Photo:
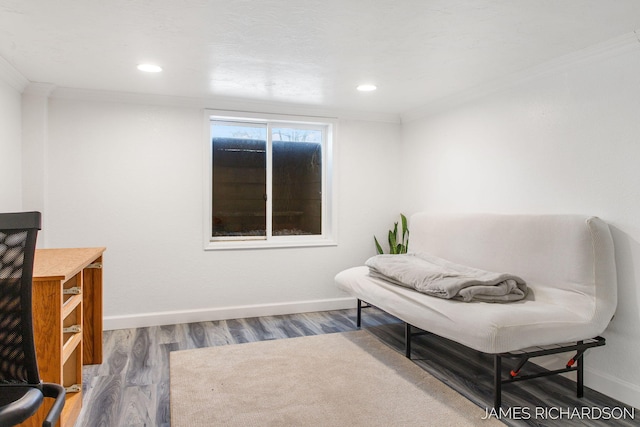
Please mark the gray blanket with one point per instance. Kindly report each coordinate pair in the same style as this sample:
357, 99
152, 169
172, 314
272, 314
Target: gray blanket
443, 279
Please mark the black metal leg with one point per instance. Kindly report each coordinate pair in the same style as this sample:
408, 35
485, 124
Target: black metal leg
407, 341
359, 315
580, 372
497, 382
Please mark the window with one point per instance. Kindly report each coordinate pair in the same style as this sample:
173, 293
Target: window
270, 181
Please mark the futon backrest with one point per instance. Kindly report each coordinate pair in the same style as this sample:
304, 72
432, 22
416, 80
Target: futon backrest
569, 252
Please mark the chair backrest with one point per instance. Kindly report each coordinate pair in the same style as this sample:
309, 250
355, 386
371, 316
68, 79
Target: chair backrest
18, 232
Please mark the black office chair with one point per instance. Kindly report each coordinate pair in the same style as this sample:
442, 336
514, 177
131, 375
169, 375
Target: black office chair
21, 390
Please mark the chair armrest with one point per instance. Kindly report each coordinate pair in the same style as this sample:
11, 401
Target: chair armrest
57, 392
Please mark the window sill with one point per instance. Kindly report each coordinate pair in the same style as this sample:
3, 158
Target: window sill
264, 244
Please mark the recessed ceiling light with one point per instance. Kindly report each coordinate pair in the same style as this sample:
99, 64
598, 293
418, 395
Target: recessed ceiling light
366, 88
149, 68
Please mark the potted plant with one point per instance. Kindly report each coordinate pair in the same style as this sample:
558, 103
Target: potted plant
396, 246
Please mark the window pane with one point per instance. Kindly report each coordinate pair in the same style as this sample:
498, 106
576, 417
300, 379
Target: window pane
239, 179
297, 181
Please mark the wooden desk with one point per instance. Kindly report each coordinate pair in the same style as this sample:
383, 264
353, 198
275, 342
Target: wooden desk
67, 321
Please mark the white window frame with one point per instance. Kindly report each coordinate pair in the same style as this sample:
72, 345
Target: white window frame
329, 207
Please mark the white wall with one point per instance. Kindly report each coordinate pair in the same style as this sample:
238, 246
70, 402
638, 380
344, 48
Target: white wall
565, 142
10, 148
129, 177
35, 134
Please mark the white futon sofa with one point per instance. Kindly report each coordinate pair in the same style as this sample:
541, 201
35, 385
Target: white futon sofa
567, 262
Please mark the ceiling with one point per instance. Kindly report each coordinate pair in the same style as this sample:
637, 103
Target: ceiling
307, 52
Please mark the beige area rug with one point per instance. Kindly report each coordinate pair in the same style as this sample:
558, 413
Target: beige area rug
341, 379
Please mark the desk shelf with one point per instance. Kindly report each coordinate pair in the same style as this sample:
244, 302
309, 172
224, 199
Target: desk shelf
70, 305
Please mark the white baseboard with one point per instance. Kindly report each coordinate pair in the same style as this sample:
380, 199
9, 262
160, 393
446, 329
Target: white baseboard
224, 313
617, 388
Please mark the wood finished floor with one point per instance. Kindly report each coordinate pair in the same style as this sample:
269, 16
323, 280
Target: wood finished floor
131, 387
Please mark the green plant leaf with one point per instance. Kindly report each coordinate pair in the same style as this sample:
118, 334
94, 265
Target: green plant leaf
378, 247
392, 239
405, 229
405, 234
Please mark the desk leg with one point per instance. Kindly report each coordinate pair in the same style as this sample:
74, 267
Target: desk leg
92, 306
